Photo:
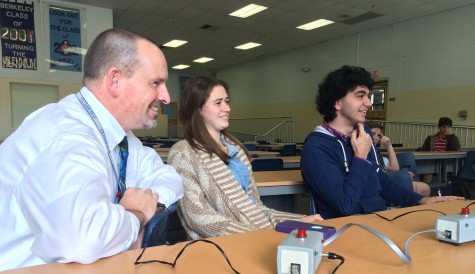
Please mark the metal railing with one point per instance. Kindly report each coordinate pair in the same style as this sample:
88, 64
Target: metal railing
271, 129
412, 134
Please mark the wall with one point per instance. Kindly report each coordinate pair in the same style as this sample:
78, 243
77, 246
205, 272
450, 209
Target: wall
429, 61
93, 21
160, 130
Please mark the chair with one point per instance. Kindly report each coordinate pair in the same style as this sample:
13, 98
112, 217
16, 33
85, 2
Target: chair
267, 164
289, 150
313, 206
407, 162
167, 144
463, 181
251, 147
158, 224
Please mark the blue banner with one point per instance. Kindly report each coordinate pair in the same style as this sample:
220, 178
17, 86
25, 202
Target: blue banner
65, 39
17, 29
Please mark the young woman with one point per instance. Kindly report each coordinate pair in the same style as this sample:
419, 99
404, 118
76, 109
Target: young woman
220, 195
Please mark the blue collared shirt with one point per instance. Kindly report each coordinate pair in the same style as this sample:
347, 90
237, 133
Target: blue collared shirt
237, 168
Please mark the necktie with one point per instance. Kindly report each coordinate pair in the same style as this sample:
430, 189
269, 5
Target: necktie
124, 153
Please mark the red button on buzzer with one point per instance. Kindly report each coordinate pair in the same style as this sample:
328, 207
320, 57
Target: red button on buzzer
301, 233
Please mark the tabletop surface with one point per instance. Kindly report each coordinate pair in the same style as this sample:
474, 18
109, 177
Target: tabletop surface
256, 252
279, 177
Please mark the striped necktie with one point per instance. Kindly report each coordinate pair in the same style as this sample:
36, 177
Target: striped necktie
124, 153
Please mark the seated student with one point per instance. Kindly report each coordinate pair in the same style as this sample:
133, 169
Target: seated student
390, 164
339, 163
444, 140
220, 196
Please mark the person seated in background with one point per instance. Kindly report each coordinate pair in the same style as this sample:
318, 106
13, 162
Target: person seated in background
220, 194
443, 140
339, 163
390, 164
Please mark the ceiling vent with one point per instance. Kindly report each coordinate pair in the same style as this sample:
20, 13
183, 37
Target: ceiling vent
361, 18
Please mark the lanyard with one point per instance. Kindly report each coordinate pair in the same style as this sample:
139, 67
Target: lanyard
93, 116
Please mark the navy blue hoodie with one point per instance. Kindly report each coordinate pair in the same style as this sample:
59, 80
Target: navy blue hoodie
356, 187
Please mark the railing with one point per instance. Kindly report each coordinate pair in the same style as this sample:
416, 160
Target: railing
175, 131
272, 129
412, 135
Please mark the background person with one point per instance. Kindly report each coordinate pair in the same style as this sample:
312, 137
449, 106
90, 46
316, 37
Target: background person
339, 163
221, 195
390, 164
60, 180
443, 140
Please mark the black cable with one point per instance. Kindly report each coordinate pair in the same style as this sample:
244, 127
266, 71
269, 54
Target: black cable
406, 213
470, 204
181, 252
334, 256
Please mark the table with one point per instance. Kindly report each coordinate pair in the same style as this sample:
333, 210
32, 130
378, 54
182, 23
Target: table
256, 252
438, 162
279, 182
278, 188
263, 154
291, 161
276, 146
162, 149
163, 155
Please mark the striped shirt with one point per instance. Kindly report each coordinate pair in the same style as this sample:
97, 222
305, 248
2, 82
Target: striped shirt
440, 142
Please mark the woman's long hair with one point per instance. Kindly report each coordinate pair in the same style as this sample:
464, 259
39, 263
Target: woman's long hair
193, 96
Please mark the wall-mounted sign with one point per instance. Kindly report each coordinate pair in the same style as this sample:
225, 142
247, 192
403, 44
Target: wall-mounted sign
65, 39
18, 35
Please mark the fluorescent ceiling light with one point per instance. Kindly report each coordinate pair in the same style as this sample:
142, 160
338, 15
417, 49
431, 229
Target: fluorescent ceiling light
248, 10
203, 60
315, 24
181, 66
249, 45
175, 43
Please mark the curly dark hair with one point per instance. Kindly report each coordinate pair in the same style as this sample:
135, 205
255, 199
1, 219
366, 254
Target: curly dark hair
336, 85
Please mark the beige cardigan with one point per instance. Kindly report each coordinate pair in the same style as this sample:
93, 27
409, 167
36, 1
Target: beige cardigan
214, 203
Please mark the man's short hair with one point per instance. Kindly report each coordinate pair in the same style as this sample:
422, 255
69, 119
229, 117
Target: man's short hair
445, 121
336, 85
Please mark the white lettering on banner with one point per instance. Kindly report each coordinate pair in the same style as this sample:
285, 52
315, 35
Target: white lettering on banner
11, 6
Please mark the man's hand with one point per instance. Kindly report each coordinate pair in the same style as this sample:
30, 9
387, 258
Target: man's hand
312, 218
385, 141
438, 199
143, 203
361, 142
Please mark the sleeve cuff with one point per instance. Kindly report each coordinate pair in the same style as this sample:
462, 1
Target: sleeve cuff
363, 159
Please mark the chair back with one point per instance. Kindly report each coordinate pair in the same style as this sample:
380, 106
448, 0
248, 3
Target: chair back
313, 206
167, 144
289, 150
251, 147
267, 164
407, 162
159, 225
468, 169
